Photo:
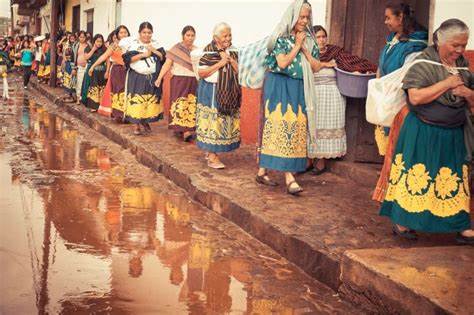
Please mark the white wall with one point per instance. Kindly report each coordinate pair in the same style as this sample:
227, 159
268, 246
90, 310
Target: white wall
104, 15
461, 9
250, 20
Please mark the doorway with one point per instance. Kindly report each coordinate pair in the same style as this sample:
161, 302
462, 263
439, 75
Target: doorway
76, 18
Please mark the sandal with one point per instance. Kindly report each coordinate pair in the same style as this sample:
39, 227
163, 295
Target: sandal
137, 132
293, 190
217, 165
265, 180
407, 234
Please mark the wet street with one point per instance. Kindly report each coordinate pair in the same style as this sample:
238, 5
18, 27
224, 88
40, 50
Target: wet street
87, 229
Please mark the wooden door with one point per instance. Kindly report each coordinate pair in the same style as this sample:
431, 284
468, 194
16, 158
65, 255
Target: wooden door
359, 27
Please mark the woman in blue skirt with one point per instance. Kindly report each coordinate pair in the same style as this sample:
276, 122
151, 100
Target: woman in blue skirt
428, 187
218, 98
288, 94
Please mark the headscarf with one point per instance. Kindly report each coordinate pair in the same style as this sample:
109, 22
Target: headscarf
228, 91
284, 29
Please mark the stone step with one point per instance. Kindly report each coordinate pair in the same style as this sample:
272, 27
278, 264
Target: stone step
434, 280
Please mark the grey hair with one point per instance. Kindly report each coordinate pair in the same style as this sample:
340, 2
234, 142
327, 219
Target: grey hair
448, 29
306, 5
220, 27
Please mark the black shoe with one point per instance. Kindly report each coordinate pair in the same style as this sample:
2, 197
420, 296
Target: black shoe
464, 240
407, 234
318, 171
265, 180
147, 128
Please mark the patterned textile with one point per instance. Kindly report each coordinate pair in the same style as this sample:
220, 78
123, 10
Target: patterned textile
99, 80
215, 132
183, 103
283, 46
252, 66
330, 120
117, 91
284, 136
228, 91
346, 61
141, 103
181, 55
69, 81
429, 179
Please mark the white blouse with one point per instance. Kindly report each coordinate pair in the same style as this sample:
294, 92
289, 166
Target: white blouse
142, 66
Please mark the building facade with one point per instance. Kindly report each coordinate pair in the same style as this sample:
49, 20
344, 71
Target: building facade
94, 16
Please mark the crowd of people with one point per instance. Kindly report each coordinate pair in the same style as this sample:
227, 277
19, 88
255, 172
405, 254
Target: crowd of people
424, 184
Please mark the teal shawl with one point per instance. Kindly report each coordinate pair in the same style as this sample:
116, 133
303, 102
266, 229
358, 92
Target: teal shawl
393, 57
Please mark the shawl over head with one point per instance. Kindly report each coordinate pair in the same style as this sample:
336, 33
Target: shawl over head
284, 29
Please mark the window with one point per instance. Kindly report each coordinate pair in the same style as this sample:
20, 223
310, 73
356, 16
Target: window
90, 21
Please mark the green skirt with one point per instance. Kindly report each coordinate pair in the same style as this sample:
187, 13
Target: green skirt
429, 179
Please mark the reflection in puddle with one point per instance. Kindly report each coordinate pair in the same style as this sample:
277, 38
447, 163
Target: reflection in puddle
92, 241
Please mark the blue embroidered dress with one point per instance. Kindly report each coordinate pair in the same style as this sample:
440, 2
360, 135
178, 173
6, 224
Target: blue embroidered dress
283, 143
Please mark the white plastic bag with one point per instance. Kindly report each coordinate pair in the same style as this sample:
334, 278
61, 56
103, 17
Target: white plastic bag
385, 97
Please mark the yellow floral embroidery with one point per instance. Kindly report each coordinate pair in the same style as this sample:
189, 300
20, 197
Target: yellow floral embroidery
397, 168
183, 112
67, 80
446, 183
118, 101
416, 191
284, 134
95, 93
465, 179
215, 128
381, 139
143, 106
417, 179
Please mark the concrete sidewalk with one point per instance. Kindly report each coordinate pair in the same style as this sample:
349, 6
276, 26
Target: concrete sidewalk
333, 215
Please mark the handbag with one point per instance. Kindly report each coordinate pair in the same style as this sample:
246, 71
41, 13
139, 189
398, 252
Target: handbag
385, 96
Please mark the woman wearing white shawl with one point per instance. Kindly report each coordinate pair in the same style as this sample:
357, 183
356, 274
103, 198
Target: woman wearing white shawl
288, 95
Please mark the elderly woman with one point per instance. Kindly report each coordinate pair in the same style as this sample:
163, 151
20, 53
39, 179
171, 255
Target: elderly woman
428, 186
218, 98
288, 92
